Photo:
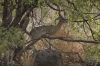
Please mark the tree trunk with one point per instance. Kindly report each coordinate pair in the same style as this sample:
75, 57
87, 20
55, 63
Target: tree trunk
7, 14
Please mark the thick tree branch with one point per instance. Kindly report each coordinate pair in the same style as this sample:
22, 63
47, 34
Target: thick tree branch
70, 40
56, 37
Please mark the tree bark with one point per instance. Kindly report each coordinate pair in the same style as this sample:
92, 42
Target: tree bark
19, 14
7, 14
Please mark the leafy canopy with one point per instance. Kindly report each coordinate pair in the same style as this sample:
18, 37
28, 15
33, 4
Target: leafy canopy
10, 38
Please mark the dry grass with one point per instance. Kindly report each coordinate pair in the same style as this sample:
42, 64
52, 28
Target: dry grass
27, 59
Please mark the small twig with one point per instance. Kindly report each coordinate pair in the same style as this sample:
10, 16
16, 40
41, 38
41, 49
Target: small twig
96, 16
90, 30
84, 29
79, 21
91, 13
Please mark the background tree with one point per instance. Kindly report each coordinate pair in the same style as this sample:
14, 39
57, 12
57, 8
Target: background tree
83, 18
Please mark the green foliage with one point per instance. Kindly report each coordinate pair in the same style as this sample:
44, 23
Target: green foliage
41, 2
0, 20
92, 53
28, 1
11, 37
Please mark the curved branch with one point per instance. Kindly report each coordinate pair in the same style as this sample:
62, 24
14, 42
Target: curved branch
53, 7
72, 4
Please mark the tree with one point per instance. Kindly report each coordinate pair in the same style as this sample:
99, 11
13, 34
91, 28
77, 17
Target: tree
83, 17
84, 13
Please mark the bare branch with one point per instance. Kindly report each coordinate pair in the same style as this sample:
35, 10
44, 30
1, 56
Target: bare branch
79, 21
53, 7
96, 16
72, 4
91, 13
97, 8
28, 46
85, 30
70, 40
90, 30
57, 37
